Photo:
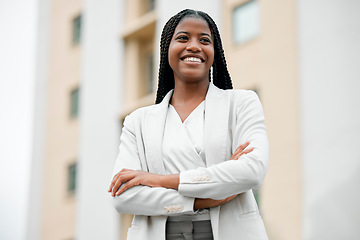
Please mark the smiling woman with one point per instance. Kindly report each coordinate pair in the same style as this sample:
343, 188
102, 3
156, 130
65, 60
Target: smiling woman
191, 51
187, 165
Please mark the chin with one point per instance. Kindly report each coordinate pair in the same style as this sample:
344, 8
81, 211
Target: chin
195, 76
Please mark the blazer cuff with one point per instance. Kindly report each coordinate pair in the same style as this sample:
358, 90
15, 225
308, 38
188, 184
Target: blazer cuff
190, 178
187, 207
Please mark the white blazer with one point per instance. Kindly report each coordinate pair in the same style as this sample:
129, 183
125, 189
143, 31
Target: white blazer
232, 117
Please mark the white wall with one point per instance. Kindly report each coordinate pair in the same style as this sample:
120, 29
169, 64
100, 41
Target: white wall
167, 9
34, 211
100, 95
18, 27
329, 61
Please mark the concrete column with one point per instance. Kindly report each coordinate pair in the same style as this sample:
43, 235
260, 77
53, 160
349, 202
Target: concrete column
100, 99
329, 56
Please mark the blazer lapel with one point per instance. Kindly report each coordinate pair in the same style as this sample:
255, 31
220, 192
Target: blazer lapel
153, 135
217, 105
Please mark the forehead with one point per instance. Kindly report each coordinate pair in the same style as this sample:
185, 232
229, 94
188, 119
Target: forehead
193, 24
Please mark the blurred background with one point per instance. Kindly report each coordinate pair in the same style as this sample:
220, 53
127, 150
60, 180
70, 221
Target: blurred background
71, 70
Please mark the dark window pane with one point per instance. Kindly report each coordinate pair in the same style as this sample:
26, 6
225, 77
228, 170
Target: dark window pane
72, 178
74, 101
77, 30
151, 4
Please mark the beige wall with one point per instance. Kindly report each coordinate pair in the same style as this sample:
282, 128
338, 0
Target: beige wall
268, 64
58, 219
138, 36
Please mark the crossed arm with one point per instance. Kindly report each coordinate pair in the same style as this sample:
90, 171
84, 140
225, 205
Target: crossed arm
127, 178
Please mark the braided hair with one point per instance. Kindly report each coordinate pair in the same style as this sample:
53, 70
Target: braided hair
221, 77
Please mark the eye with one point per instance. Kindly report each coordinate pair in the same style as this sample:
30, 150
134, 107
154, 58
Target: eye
205, 40
182, 37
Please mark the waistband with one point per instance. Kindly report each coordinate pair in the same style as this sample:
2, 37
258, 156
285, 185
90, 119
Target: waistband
188, 227
197, 217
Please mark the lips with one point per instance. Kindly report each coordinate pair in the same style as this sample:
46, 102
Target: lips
192, 59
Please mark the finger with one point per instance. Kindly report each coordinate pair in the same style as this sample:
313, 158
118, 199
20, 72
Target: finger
246, 151
113, 182
123, 178
249, 150
115, 176
237, 151
237, 154
126, 186
242, 146
117, 185
126, 170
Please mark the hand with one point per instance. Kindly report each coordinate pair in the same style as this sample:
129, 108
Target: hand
241, 151
128, 178
209, 203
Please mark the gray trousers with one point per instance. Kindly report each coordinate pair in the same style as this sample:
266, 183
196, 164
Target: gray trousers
189, 230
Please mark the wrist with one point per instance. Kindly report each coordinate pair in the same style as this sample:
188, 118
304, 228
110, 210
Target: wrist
170, 181
162, 180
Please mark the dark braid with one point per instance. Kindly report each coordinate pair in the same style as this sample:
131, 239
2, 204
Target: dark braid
221, 76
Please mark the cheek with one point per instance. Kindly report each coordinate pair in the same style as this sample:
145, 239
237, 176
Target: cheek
171, 55
171, 59
211, 57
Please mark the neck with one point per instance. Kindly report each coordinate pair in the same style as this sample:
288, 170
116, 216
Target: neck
185, 92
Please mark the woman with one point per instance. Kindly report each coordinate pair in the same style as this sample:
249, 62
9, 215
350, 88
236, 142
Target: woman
188, 164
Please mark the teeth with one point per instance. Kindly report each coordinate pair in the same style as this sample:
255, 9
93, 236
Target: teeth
192, 59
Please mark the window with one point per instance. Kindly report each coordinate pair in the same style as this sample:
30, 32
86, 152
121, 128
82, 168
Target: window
151, 5
76, 30
74, 103
72, 178
246, 22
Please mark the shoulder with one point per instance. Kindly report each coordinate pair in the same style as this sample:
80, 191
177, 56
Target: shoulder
236, 94
242, 96
245, 102
139, 114
241, 93
237, 97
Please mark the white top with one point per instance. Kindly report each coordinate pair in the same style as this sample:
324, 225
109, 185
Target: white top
183, 142
183, 148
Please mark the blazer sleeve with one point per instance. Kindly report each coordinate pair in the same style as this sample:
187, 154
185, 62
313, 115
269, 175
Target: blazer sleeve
234, 176
144, 200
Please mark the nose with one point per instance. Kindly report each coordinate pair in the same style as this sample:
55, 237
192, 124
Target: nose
193, 46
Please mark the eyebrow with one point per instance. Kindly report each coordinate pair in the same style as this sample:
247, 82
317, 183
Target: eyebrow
201, 34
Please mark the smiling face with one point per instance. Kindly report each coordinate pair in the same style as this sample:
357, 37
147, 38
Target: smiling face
191, 51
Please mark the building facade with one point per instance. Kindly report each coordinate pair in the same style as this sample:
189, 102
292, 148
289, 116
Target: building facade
62, 122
